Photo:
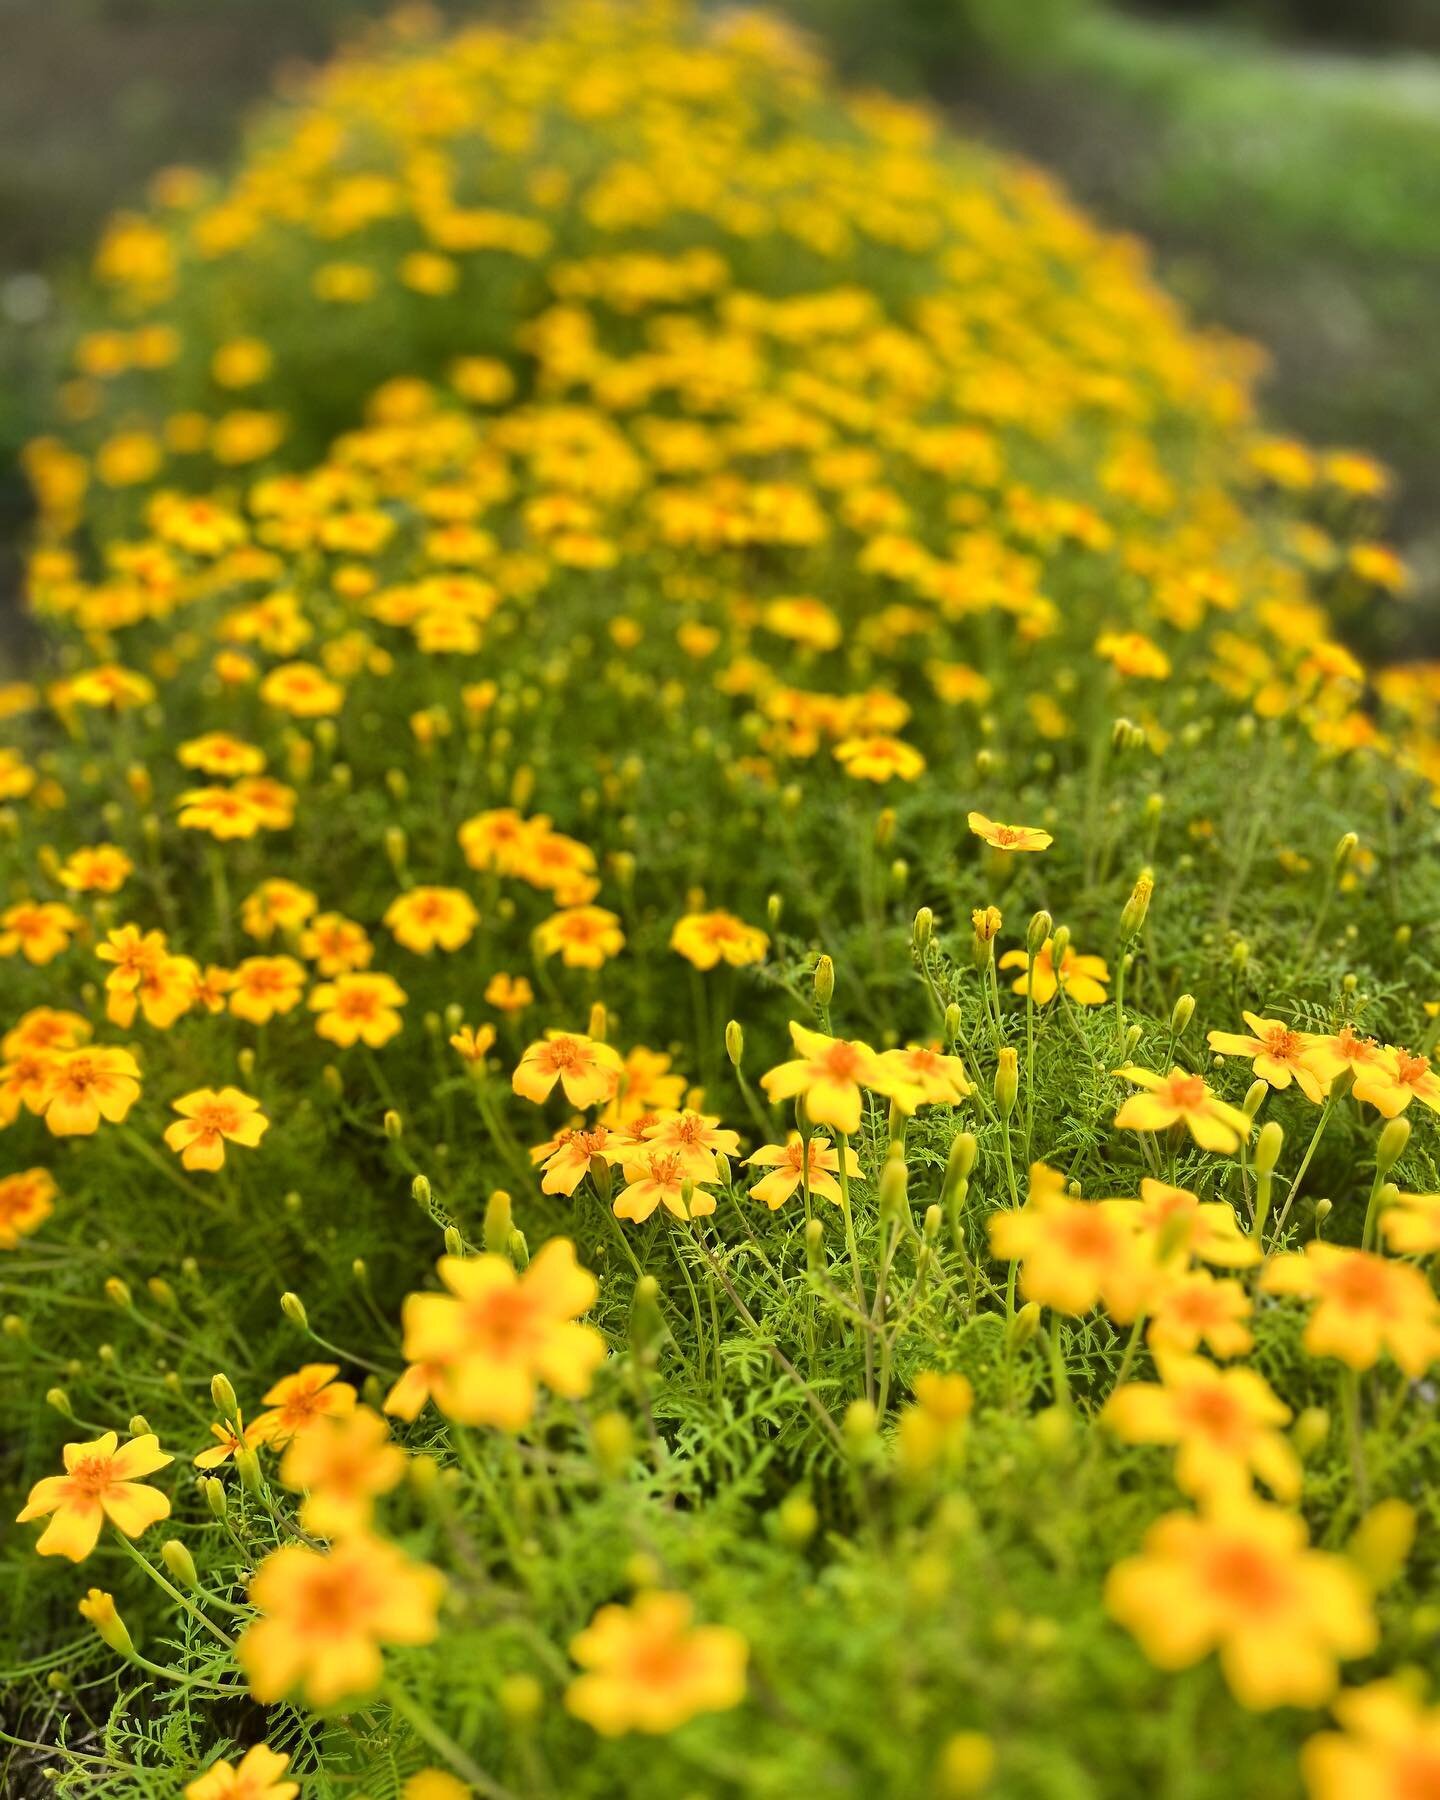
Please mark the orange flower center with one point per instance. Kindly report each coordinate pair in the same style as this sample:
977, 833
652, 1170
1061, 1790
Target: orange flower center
1242, 1576
1186, 1093
92, 1475
1283, 1045
840, 1062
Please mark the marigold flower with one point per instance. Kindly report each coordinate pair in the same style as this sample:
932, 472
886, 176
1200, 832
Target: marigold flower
1241, 1579
430, 918
324, 1615
298, 1401
358, 1009
473, 1044
45, 1028
1409, 1225
38, 930
1389, 1748
341, 1466
1394, 1079
27, 1200
649, 1668
218, 753
706, 939
276, 905
1278, 1055
257, 1776
1082, 978
793, 1167
1365, 1305
696, 1138
565, 1160
223, 812
1225, 1424
98, 869
584, 937
302, 690
265, 987
509, 993
933, 1429
658, 1178
1193, 1309
336, 945
82, 1087
209, 1119
880, 758
101, 1481
587, 1070
228, 1439
1181, 1097
1008, 837
497, 1336
924, 1076
1180, 1226
1073, 1254
830, 1073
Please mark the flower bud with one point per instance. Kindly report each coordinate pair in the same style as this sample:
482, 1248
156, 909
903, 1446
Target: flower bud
1310, 1430
1023, 1326
1039, 930
420, 1191
522, 1699
247, 1467
1007, 1081
815, 1247
1344, 852
774, 907
1267, 1147
953, 1020
180, 1563
98, 1608
293, 1308
824, 981
796, 1519
894, 1186
223, 1395
139, 1426
117, 1293
861, 1426
1181, 1014
1059, 947
967, 1762
614, 1441
453, 1242
922, 930
1132, 918
519, 1250
1133, 1035
57, 1398
215, 1497
498, 1222
646, 1321
1382, 1542
394, 1125
1254, 1098
734, 1041
161, 1292
1391, 1147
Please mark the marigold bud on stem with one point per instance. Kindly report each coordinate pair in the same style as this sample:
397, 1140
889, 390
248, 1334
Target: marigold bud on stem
293, 1308
1391, 1147
824, 981
499, 1221
922, 929
139, 1425
1181, 1014
1132, 918
1039, 930
735, 1041
98, 1608
1007, 1081
180, 1563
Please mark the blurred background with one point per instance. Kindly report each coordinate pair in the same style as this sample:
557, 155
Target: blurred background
1282, 156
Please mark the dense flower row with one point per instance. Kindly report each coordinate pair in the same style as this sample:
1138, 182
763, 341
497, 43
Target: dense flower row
589, 587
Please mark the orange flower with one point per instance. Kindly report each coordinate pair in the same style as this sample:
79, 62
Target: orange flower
1178, 1097
1009, 837
1278, 1055
228, 1439
1073, 1254
324, 1615
1226, 1425
340, 1467
302, 690
879, 759
696, 1138
497, 1336
584, 937
658, 1179
650, 1668
39, 930
299, 1400
26, 1202
509, 993
257, 1776
218, 753
336, 945
81, 1087
1389, 1749
1365, 1305
266, 986
1409, 1224
98, 869
789, 1161
208, 1119
1396, 1078
587, 1070
923, 1076
276, 905
830, 1073
1241, 1579
566, 1159
1195, 1308
358, 1009
1081, 977
429, 918
223, 812
472, 1044
705, 939
100, 1482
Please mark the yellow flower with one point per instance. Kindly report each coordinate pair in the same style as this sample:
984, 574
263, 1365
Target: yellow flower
340, 1466
1226, 1425
830, 1073
429, 918
101, 1481
1365, 1305
1009, 837
658, 1178
209, 1119
336, 945
1278, 1055
473, 1045
497, 1336
223, 812
99, 869
793, 1169
26, 1202
39, 930
266, 986
649, 1668
1411, 1224
1073, 1254
358, 1009
1389, 1748
509, 993
1395, 1078
325, 1614
879, 758
257, 1776
587, 1071
705, 939
1181, 1097
1081, 977
1242, 1580
584, 937
299, 1401
82, 1087
302, 690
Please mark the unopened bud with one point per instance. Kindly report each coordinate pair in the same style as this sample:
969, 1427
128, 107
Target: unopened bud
420, 1191
247, 1467
394, 1125
1344, 851
59, 1400
1391, 1147
223, 1395
499, 1222
1181, 1014
824, 981
1007, 1081
139, 1426
179, 1562
735, 1041
293, 1308
1024, 1325
1382, 1541
1254, 1098
522, 1699
861, 1425
796, 1519
923, 929
894, 1186
1132, 918
1267, 1147
614, 1441
815, 1247
118, 1293
1039, 930
98, 1608
1310, 1431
